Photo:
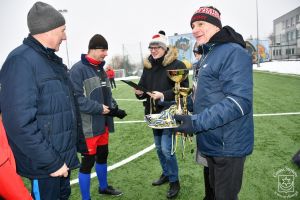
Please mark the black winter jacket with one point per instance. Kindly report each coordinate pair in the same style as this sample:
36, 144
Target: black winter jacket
154, 78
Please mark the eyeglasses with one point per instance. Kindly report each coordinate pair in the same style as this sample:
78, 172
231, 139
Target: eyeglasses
154, 48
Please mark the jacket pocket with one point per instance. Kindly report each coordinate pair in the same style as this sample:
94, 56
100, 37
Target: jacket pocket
47, 130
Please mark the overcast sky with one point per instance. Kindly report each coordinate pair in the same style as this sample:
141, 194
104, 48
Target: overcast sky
129, 22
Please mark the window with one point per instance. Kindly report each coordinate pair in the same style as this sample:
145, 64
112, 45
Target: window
297, 19
274, 52
279, 52
277, 39
292, 51
292, 21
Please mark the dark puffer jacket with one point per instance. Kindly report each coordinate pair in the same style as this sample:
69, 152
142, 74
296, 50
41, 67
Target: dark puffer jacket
223, 114
93, 90
155, 78
38, 110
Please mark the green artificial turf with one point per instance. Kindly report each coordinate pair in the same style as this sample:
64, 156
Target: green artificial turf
277, 138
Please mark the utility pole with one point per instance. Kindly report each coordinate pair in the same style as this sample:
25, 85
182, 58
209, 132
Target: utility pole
141, 52
64, 11
257, 55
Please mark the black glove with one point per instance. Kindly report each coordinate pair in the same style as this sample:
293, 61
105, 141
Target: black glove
116, 112
186, 124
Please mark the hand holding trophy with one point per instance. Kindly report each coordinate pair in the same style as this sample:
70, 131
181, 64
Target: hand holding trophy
166, 119
178, 76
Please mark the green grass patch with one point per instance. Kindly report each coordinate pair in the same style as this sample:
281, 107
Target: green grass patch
277, 138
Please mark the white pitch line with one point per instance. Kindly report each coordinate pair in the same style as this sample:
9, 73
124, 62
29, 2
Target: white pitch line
276, 114
146, 150
122, 162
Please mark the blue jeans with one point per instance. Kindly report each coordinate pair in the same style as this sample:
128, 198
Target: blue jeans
168, 162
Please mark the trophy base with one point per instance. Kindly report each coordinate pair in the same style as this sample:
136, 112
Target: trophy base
162, 127
158, 121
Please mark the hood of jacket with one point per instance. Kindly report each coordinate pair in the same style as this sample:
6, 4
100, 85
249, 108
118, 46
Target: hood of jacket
226, 35
168, 58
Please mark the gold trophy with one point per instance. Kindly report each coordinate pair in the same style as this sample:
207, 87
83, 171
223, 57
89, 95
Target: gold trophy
165, 119
179, 75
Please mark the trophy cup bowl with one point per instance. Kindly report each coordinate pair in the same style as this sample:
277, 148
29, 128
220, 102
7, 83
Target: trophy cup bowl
178, 75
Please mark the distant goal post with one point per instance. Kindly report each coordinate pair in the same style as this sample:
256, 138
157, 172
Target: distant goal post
120, 73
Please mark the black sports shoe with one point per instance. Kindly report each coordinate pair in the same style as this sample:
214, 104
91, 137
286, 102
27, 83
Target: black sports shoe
162, 179
110, 191
174, 190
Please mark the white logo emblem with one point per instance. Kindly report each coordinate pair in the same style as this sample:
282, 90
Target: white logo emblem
204, 65
286, 183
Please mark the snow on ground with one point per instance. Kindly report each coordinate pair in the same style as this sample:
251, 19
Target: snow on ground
285, 67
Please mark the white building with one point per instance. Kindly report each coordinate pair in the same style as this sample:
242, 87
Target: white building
286, 36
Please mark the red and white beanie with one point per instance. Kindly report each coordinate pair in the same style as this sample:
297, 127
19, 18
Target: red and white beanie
208, 14
160, 39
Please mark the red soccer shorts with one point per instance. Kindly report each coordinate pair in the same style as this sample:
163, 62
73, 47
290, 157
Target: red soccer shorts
99, 140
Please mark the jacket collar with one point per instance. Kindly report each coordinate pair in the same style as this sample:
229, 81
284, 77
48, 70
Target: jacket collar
86, 62
38, 47
207, 47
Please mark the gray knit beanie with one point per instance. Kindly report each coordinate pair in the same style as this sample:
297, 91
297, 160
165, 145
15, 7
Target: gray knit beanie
42, 18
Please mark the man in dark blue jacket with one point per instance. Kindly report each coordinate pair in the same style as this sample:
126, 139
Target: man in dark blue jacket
222, 102
39, 107
97, 109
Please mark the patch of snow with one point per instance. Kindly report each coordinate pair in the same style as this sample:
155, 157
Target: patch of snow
285, 67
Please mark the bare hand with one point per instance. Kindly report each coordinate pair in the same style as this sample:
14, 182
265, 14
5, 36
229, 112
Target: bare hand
105, 109
63, 171
156, 95
138, 92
